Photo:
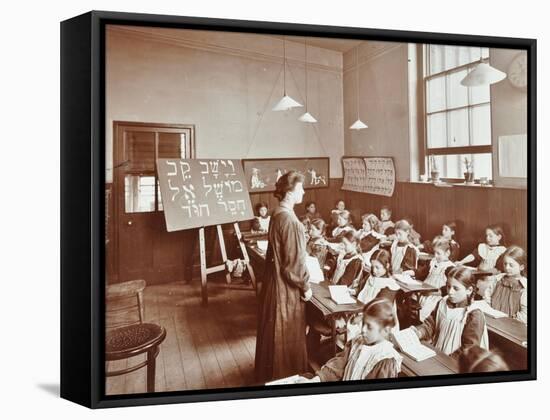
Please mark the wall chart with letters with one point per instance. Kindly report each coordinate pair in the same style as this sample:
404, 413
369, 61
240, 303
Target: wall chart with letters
372, 175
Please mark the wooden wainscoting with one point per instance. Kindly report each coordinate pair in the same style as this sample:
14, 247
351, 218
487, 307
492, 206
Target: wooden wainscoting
473, 207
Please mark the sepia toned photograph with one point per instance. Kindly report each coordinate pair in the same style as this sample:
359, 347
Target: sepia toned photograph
287, 211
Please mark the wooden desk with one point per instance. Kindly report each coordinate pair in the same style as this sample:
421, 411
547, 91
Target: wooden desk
331, 310
416, 288
509, 337
441, 364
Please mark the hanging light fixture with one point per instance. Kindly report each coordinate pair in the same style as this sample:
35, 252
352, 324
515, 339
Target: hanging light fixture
483, 74
286, 101
358, 124
306, 117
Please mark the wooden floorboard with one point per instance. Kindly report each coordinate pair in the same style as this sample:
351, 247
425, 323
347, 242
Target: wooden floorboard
205, 347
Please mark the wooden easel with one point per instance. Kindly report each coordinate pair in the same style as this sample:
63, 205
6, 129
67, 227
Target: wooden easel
205, 271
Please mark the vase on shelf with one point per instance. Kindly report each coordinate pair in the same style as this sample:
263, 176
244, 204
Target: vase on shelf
469, 177
434, 176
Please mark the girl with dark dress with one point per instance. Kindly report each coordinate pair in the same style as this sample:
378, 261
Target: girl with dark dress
281, 335
368, 356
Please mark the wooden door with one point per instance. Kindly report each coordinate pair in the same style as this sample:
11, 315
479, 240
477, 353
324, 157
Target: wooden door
143, 248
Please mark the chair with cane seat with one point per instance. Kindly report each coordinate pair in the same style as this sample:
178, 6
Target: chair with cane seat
126, 334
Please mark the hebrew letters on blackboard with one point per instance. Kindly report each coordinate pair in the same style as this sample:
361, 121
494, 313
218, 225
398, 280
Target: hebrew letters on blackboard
203, 192
373, 175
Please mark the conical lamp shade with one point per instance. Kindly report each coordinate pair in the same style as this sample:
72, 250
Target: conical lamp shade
483, 74
307, 118
286, 103
358, 125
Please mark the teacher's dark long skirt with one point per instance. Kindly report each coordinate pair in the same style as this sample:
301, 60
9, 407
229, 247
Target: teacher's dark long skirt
281, 336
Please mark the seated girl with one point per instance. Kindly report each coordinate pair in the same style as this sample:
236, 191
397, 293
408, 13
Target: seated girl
386, 225
317, 246
439, 266
414, 236
486, 254
368, 235
475, 359
311, 211
507, 292
404, 254
343, 224
377, 285
370, 355
448, 232
340, 207
260, 224
349, 264
455, 325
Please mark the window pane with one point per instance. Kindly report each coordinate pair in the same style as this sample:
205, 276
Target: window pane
458, 128
457, 95
481, 125
437, 130
451, 57
479, 94
139, 193
436, 94
436, 58
453, 166
464, 55
483, 165
140, 150
172, 145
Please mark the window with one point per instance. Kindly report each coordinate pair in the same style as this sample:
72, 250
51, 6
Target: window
458, 118
142, 149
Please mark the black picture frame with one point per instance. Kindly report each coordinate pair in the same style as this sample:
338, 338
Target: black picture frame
83, 207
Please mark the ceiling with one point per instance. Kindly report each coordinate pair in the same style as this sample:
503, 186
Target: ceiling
335, 44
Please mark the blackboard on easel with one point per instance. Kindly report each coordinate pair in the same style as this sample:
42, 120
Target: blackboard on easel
205, 192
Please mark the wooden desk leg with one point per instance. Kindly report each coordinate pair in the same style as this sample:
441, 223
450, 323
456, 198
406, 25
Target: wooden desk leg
245, 256
151, 369
202, 248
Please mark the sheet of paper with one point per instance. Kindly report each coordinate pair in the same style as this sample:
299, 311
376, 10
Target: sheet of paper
340, 295
315, 273
285, 381
262, 245
484, 307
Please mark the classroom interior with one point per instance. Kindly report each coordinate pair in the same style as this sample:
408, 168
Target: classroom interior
177, 93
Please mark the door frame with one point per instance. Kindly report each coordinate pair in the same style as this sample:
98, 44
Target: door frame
118, 162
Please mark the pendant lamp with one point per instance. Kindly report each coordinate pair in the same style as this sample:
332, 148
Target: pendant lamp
358, 124
286, 101
306, 117
483, 74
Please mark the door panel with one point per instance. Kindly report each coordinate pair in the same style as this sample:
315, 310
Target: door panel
143, 248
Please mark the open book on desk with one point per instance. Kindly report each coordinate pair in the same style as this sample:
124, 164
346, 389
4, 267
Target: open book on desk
340, 295
409, 343
406, 279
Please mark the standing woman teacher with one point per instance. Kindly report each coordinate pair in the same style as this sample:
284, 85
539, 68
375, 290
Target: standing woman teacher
281, 337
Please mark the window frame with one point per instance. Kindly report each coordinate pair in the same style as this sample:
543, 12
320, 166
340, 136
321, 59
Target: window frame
459, 150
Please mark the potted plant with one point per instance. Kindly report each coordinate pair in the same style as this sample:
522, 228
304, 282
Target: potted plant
469, 174
434, 171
